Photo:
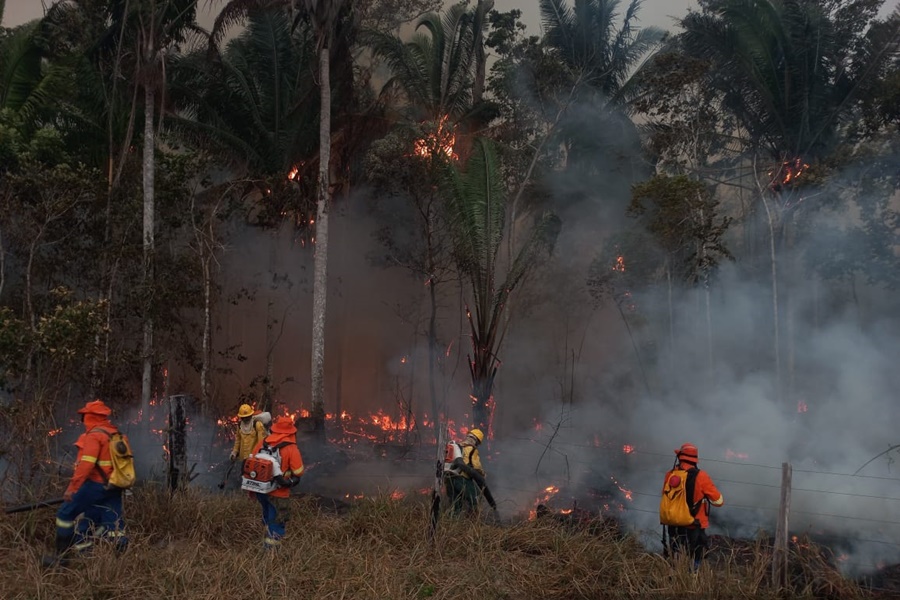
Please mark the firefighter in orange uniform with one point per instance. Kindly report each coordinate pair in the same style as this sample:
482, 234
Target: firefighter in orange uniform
100, 508
276, 504
693, 538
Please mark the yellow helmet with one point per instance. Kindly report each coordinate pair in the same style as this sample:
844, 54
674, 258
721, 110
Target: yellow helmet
245, 411
478, 435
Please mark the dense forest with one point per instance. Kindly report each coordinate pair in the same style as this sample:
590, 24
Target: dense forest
427, 217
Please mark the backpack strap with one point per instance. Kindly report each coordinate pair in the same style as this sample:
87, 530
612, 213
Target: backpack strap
470, 455
97, 464
689, 491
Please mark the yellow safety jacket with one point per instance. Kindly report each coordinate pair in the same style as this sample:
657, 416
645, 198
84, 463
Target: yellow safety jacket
244, 443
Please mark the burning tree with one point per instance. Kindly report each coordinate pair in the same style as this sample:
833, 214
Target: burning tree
477, 211
404, 169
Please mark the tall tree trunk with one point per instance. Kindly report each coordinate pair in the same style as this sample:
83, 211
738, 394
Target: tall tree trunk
320, 281
671, 310
776, 324
2, 265
481, 11
339, 379
206, 358
270, 354
149, 217
432, 358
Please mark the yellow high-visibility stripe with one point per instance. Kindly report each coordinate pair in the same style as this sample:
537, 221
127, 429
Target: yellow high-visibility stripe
104, 463
114, 533
271, 542
718, 502
83, 546
65, 524
90, 459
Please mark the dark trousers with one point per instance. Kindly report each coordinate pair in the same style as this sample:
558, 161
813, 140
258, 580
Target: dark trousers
462, 493
692, 540
100, 512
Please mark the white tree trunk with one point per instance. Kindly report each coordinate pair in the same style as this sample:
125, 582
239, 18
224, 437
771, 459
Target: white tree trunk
775, 319
320, 278
149, 216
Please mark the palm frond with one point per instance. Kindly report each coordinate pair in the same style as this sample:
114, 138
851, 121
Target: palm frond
20, 66
477, 210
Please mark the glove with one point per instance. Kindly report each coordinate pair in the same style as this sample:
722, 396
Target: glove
281, 481
232, 456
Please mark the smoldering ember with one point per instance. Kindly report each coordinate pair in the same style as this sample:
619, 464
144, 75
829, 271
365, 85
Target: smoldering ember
587, 231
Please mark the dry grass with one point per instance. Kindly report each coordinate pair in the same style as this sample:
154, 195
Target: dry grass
206, 546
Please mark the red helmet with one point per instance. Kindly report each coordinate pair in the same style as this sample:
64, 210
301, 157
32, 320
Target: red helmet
688, 452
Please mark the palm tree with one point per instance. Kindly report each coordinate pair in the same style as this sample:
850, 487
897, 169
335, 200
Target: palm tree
603, 55
789, 72
439, 74
28, 84
477, 208
786, 68
603, 58
435, 70
254, 105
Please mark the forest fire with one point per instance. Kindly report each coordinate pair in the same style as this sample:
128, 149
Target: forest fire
294, 173
620, 264
440, 142
789, 171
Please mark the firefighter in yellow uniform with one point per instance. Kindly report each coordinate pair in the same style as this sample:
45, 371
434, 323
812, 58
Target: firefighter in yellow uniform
250, 432
462, 489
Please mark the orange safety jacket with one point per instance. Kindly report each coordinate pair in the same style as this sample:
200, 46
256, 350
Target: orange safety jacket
704, 488
93, 452
291, 460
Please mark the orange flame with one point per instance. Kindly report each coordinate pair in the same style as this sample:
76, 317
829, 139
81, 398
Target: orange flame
440, 142
787, 172
620, 264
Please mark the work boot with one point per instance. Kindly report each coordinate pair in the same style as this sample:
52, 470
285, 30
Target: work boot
48, 561
63, 544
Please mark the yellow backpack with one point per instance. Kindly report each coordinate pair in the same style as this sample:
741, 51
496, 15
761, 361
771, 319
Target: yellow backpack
122, 475
674, 507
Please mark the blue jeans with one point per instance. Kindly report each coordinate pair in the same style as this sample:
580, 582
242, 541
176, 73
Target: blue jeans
100, 510
275, 514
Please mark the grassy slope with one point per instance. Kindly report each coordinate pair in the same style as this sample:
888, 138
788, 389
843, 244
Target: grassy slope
203, 545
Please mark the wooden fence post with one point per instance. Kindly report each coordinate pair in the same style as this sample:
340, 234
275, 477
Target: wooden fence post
780, 551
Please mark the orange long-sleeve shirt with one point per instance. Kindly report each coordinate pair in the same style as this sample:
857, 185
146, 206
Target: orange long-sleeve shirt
705, 488
93, 451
